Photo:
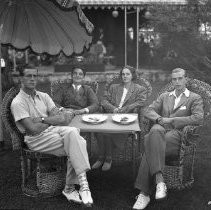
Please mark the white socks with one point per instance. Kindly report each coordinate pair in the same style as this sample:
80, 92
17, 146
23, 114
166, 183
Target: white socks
84, 185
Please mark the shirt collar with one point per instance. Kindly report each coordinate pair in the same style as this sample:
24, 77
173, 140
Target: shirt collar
74, 86
27, 95
186, 93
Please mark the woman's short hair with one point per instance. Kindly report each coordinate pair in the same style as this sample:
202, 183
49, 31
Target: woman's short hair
132, 70
78, 67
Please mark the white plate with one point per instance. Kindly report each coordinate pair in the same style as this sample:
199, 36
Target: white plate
94, 118
124, 118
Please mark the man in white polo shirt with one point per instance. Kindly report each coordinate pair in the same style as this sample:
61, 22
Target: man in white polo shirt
46, 130
171, 112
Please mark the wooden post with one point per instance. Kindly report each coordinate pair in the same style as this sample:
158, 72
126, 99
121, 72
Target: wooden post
125, 35
137, 38
1, 128
26, 56
14, 60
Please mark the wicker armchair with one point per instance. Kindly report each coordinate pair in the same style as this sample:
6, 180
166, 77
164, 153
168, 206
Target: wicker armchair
178, 174
132, 148
38, 179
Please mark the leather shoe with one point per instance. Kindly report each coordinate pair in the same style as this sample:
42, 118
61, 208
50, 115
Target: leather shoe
106, 165
72, 196
97, 164
161, 191
141, 202
86, 197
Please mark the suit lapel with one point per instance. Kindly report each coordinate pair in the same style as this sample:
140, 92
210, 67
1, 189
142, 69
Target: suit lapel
129, 93
171, 103
181, 102
119, 94
81, 90
71, 90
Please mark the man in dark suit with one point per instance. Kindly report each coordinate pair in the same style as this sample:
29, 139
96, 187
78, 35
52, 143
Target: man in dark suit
170, 113
76, 96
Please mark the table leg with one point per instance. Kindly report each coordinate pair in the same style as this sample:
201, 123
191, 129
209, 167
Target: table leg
90, 145
134, 137
88, 137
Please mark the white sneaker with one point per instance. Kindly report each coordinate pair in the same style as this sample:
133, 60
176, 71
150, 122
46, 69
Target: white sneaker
161, 191
86, 197
72, 196
141, 202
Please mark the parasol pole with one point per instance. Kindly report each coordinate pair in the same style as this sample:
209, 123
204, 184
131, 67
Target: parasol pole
1, 128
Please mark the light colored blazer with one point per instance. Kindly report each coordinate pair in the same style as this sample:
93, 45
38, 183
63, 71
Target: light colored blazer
189, 111
135, 98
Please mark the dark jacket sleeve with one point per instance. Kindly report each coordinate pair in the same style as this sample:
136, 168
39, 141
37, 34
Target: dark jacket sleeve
107, 103
140, 96
93, 103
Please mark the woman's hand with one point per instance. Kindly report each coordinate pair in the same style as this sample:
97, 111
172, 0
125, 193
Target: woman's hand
123, 110
118, 110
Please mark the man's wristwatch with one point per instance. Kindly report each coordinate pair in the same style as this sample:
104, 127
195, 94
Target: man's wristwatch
42, 119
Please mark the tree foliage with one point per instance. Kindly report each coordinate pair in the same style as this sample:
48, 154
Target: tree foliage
181, 39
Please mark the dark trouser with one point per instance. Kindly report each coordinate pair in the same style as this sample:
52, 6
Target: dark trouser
158, 144
107, 141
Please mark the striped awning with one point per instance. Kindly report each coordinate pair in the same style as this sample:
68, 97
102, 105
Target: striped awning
132, 3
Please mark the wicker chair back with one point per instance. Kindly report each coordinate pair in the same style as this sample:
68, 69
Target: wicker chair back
8, 120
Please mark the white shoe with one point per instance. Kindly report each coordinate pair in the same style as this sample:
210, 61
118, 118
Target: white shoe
86, 197
72, 196
161, 191
141, 202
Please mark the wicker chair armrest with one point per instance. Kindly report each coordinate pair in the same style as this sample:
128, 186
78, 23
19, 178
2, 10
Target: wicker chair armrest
144, 123
190, 134
190, 131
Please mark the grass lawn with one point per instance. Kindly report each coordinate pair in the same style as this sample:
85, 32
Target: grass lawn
113, 189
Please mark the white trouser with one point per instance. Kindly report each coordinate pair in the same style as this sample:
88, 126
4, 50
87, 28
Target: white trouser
59, 141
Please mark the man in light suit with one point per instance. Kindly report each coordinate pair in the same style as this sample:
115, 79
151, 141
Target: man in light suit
170, 113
